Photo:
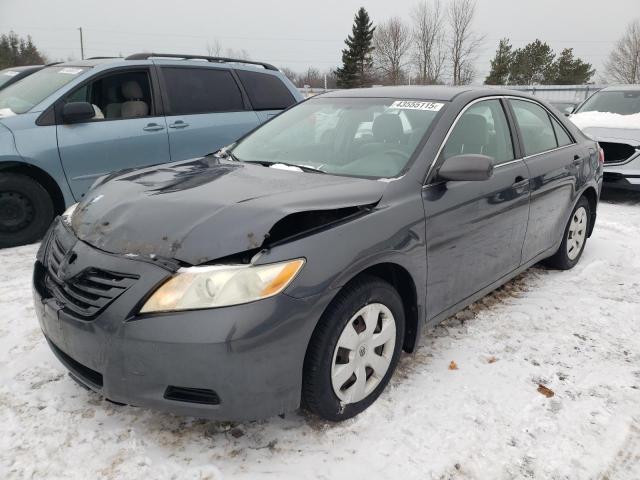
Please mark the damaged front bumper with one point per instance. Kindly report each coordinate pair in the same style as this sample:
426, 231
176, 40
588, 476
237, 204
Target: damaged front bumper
233, 363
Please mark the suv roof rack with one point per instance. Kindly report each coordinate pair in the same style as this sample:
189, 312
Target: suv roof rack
100, 58
146, 56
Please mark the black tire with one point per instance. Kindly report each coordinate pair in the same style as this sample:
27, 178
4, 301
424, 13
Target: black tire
26, 210
561, 259
318, 395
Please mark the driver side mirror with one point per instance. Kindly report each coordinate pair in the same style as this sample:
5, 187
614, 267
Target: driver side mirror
467, 167
74, 112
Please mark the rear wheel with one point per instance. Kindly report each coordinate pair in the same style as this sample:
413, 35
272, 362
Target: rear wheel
26, 210
575, 237
354, 350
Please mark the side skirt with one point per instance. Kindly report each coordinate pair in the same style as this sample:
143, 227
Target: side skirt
488, 289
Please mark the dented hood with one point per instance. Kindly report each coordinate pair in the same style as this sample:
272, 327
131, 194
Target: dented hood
204, 209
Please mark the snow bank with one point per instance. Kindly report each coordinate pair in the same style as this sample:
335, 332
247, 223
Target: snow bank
606, 120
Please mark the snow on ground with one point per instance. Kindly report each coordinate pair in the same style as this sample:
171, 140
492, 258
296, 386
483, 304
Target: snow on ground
576, 332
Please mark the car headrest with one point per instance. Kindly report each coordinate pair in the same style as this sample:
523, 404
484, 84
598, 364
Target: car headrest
131, 90
387, 128
473, 129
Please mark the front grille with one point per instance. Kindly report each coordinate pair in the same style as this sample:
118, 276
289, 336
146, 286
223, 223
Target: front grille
615, 152
87, 293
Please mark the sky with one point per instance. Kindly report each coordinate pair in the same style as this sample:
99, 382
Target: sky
297, 34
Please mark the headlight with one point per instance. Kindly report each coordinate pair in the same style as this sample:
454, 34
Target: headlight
68, 214
221, 286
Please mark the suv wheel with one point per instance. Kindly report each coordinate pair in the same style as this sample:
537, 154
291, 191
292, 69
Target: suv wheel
575, 237
26, 210
354, 350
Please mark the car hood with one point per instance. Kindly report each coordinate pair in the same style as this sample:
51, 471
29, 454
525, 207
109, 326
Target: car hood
606, 134
204, 209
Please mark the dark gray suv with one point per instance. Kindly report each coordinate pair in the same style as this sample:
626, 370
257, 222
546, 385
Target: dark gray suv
295, 265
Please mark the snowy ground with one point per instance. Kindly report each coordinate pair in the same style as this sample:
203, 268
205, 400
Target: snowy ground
576, 332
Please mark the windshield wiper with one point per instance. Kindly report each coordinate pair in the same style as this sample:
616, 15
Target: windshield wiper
304, 168
224, 153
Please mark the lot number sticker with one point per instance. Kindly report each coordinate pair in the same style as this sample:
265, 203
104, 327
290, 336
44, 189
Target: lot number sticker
413, 105
70, 71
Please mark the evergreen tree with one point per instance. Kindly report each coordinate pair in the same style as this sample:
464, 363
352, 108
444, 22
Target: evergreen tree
356, 59
568, 70
16, 51
501, 64
532, 64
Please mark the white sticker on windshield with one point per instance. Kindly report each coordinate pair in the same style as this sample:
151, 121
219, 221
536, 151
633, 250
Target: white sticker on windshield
11, 73
415, 105
70, 71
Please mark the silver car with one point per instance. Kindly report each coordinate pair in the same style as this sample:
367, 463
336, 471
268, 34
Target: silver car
612, 118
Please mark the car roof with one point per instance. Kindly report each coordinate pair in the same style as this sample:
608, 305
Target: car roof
166, 60
422, 92
622, 88
22, 68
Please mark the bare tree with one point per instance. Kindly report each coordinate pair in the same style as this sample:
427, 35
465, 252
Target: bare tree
464, 42
391, 41
214, 49
291, 75
623, 65
428, 39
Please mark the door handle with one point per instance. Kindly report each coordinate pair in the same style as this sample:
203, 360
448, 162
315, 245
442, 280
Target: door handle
178, 124
153, 127
520, 181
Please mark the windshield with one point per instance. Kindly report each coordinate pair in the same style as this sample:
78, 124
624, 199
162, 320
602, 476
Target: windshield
626, 102
364, 137
22, 96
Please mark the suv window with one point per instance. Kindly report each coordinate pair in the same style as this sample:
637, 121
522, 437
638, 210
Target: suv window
266, 92
117, 96
482, 128
535, 126
561, 134
201, 90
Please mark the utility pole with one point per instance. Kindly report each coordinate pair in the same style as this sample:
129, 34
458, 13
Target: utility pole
81, 44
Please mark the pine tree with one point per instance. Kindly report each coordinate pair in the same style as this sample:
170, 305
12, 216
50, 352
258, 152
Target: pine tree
532, 64
500, 64
16, 51
356, 59
568, 70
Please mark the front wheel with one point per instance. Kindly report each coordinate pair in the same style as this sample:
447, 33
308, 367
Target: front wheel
26, 210
575, 237
354, 350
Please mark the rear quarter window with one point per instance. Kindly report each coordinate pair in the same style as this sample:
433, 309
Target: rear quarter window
265, 91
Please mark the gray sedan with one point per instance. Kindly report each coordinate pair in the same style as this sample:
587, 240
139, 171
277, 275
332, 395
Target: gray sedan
293, 267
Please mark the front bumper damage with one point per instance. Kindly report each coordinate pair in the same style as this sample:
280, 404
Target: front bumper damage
233, 363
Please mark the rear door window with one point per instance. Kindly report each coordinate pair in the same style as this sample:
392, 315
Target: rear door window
535, 126
201, 90
265, 91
